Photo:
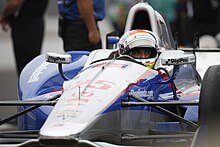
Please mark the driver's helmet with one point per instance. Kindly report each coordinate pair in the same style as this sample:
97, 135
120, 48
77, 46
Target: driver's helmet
141, 45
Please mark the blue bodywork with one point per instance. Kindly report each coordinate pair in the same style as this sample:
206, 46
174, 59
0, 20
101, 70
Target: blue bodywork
38, 79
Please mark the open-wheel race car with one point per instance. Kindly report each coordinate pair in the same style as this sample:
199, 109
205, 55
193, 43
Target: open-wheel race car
101, 99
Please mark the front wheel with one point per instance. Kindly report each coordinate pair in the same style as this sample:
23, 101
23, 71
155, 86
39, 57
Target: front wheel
209, 105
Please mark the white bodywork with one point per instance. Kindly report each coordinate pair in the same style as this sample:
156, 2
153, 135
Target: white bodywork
98, 55
153, 22
146, 7
80, 106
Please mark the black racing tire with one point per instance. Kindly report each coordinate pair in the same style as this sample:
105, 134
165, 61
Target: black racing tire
209, 105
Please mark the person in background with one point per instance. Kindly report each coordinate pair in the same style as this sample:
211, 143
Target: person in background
78, 23
198, 17
26, 20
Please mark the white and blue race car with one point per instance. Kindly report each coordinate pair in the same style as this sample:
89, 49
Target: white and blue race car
95, 100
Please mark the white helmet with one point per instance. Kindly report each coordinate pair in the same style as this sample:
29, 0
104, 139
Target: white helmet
135, 40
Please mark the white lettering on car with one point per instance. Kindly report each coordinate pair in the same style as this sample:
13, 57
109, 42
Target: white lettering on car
36, 74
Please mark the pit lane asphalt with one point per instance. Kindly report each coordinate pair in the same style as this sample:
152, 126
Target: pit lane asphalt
8, 76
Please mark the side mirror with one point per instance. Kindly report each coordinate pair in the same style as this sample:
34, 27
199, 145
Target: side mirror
60, 59
177, 57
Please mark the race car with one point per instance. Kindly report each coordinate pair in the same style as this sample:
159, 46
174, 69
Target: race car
95, 99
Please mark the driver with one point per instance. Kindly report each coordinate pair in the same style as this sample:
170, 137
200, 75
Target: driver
141, 45
140, 53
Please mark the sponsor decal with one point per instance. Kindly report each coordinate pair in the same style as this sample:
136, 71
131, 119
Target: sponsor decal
142, 93
124, 66
100, 84
76, 102
55, 59
177, 61
67, 113
36, 74
78, 97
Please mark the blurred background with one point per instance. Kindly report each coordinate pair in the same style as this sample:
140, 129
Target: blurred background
51, 43
8, 75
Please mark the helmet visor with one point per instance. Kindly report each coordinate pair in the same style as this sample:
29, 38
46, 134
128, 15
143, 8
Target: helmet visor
143, 52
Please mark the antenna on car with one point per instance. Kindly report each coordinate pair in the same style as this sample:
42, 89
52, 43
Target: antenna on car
195, 44
196, 41
176, 40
